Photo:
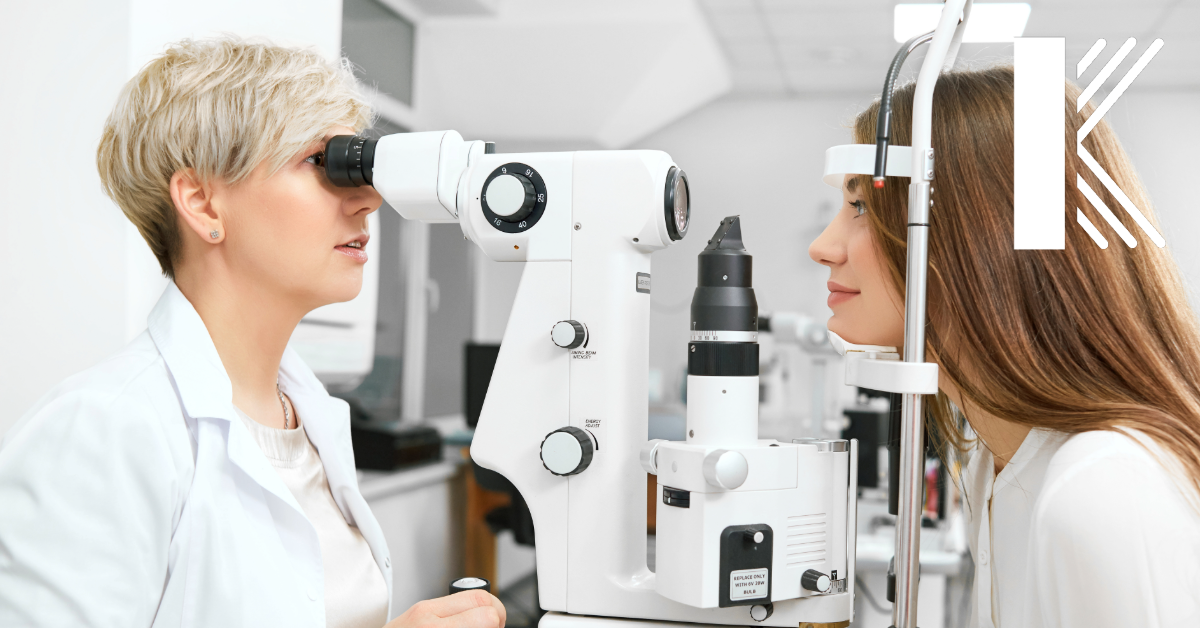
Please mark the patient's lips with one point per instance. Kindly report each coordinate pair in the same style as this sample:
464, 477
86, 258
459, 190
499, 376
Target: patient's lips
355, 249
839, 294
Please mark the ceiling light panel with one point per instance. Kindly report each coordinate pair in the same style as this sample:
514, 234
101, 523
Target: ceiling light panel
995, 22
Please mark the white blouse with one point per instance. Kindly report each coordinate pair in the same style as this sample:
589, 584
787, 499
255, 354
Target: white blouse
1082, 531
355, 593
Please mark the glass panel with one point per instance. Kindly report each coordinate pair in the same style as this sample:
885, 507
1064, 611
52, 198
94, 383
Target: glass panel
380, 44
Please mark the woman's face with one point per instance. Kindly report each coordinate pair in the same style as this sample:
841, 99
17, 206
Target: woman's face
866, 307
294, 233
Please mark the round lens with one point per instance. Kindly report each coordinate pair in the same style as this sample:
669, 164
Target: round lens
677, 205
681, 205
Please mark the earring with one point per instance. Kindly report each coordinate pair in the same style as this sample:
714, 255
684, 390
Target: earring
215, 234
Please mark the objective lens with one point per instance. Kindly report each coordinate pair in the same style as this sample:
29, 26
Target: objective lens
677, 205
349, 160
681, 205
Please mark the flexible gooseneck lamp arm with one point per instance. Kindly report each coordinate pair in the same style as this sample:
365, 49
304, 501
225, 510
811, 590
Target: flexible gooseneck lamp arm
883, 123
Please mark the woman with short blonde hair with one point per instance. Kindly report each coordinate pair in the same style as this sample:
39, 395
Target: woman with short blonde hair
203, 476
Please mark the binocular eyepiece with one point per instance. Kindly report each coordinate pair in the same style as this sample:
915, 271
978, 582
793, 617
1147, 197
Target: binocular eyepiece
350, 163
350, 160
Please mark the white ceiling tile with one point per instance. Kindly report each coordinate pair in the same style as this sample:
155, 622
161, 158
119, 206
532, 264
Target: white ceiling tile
1141, 5
845, 46
758, 81
751, 53
738, 26
1089, 21
1183, 21
727, 6
849, 7
828, 25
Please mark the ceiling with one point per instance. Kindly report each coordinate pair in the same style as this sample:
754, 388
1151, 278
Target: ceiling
794, 48
596, 74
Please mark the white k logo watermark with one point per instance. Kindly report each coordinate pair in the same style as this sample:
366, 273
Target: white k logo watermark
1039, 193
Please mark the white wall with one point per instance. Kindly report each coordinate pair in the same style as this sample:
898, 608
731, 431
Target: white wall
62, 260
1155, 128
77, 280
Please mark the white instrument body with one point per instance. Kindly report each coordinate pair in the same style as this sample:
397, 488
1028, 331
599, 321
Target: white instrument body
588, 260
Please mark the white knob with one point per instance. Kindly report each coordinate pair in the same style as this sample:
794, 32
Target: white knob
567, 451
649, 455
507, 195
726, 469
815, 581
568, 334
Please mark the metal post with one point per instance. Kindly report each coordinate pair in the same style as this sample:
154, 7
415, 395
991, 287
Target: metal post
912, 446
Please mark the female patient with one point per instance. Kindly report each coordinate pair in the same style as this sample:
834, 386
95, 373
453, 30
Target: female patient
1078, 369
202, 476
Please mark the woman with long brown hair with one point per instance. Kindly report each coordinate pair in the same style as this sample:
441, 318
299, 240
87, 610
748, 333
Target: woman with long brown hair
1076, 370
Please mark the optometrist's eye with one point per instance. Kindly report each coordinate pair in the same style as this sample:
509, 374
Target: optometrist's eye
860, 206
317, 159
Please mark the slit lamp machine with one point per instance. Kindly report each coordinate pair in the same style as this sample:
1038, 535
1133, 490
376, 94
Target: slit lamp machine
749, 531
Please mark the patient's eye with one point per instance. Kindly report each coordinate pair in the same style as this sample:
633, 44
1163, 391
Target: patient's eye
317, 159
860, 206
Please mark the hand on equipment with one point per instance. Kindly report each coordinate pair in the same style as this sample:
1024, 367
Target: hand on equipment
467, 609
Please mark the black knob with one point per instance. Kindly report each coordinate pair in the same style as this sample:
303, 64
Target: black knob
814, 580
468, 584
511, 197
568, 334
566, 451
754, 536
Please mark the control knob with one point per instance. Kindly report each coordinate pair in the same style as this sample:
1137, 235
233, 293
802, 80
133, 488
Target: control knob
814, 580
511, 197
468, 584
567, 451
568, 334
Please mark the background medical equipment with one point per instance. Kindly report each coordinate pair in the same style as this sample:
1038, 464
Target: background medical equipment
811, 338
565, 416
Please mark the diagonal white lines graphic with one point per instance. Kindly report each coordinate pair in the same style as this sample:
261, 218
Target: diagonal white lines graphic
1104, 211
1105, 72
1089, 58
1113, 189
1095, 167
1090, 229
1123, 85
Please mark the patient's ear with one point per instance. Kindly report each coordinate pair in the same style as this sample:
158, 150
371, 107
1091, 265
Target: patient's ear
193, 202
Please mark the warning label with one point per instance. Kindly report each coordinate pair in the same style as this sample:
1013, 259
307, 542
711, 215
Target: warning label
748, 584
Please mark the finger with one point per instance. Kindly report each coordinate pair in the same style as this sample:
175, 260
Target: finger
499, 606
480, 617
460, 602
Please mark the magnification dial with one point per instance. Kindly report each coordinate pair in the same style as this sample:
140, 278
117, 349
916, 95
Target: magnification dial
513, 198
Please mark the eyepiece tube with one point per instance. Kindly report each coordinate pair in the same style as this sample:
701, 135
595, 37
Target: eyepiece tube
349, 160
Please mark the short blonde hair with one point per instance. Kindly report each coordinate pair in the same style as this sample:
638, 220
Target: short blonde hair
221, 107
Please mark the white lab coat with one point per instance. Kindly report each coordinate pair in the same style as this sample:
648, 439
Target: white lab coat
131, 495
1089, 530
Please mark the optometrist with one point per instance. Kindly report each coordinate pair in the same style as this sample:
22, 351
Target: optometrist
202, 476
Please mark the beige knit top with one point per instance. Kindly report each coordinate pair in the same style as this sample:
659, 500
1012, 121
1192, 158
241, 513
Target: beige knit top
355, 593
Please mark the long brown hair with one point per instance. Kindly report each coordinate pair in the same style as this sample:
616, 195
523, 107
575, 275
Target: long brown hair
1074, 340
